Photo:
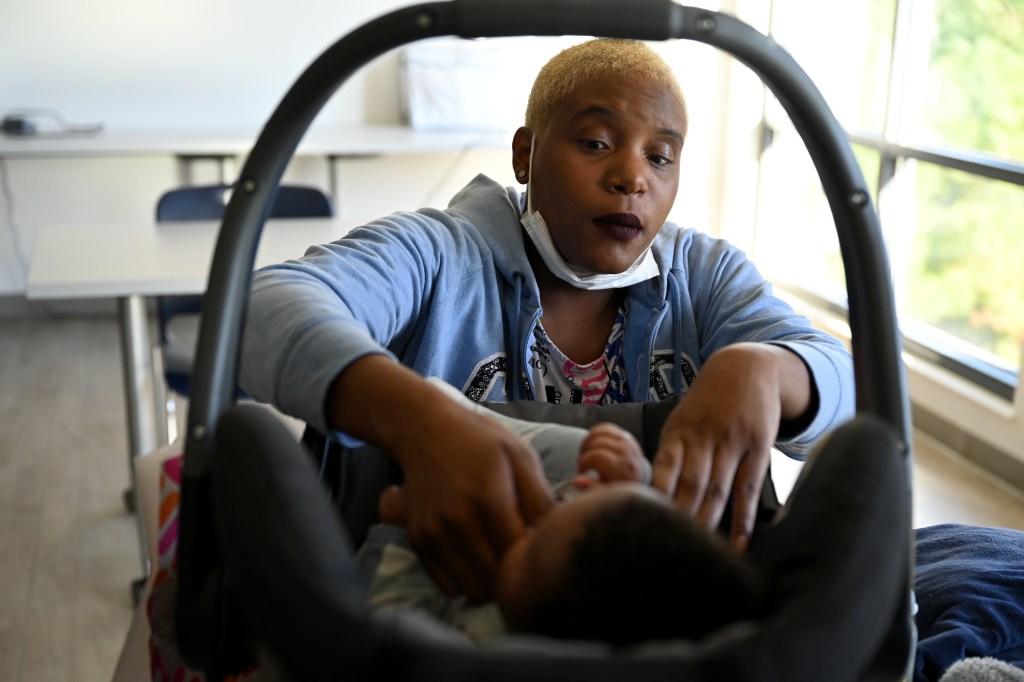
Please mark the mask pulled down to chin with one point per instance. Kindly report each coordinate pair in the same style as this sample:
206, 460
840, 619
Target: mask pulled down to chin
642, 269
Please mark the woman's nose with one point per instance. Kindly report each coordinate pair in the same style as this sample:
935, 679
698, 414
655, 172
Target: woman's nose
627, 174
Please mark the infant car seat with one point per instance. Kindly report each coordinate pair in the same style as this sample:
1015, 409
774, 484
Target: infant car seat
262, 558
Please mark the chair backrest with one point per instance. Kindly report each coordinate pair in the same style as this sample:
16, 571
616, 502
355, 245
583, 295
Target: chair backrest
207, 202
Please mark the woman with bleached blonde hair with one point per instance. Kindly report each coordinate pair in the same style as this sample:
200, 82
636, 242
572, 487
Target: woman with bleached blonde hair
576, 291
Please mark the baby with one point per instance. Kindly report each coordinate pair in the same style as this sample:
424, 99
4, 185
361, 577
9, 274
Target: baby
614, 561
622, 565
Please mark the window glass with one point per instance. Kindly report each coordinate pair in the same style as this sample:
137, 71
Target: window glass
964, 266
950, 234
795, 241
869, 161
845, 49
969, 95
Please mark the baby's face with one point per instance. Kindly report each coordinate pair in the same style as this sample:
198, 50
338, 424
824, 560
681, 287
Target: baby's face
539, 557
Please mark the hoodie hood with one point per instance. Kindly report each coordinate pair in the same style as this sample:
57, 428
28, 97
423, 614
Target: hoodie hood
494, 211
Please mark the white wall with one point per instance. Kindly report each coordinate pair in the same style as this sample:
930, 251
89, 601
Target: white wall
192, 64
156, 65
225, 64
188, 63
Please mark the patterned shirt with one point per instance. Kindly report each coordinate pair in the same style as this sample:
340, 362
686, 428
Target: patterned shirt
557, 379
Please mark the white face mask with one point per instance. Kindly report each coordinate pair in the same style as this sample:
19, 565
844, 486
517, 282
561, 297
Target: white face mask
642, 269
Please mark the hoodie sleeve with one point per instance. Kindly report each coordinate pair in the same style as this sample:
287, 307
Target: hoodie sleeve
734, 303
308, 319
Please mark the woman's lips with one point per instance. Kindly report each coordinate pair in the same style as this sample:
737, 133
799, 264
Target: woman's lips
620, 225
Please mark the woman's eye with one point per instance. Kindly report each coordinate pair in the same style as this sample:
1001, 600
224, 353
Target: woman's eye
659, 160
593, 144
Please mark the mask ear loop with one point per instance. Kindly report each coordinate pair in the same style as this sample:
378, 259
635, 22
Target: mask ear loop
529, 176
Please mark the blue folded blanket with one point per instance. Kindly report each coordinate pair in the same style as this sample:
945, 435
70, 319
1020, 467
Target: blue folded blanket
969, 584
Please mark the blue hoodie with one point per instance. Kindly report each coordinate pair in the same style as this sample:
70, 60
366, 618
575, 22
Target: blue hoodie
452, 294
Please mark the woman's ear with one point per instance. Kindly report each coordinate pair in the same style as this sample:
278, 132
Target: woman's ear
521, 142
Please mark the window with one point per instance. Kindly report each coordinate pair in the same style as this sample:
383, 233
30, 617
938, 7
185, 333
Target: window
928, 91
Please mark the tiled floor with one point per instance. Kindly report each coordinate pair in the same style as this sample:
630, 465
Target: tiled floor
68, 550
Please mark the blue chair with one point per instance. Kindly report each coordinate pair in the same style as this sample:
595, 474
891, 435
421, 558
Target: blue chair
179, 315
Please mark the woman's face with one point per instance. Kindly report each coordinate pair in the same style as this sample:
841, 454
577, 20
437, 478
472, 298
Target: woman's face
606, 170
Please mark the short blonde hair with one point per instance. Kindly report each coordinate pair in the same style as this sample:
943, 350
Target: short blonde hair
567, 71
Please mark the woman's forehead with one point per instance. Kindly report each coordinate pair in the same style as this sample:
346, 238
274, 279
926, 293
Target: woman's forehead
615, 96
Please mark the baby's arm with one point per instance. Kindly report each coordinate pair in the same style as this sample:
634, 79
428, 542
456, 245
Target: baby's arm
572, 457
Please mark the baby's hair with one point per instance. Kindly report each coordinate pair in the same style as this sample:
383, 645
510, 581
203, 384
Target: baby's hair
643, 570
567, 71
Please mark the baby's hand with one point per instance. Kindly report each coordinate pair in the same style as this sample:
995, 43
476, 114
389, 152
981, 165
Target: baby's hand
614, 454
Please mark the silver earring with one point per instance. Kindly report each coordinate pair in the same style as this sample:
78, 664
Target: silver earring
521, 173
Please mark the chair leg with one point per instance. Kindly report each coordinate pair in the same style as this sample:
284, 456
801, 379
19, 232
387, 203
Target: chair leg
161, 397
177, 412
128, 498
138, 586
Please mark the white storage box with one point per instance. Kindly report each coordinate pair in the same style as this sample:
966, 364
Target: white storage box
478, 85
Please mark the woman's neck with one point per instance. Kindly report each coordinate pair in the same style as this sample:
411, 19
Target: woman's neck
578, 321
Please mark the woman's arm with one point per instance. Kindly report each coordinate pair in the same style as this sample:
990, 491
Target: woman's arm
471, 486
766, 371
717, 442
309, 318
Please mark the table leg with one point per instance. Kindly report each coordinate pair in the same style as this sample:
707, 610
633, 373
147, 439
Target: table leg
225, 168
137, 371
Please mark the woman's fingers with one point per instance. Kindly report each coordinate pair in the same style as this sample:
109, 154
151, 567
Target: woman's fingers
719, 486
668, 463
535, 498
701, 477
694, 477
458, 555
470, 538
746, 495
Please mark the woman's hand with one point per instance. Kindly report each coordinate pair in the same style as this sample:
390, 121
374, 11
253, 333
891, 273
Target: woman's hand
718, 439
471, 486
471, 489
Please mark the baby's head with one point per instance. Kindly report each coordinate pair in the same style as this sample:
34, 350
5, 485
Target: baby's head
622, 565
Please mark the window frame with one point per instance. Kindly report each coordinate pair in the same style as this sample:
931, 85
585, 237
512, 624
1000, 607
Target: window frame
1000, 381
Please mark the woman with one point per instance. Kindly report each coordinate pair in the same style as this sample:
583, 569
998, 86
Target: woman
578, 291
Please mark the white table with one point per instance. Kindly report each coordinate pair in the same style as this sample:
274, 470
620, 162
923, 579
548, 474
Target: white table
330, 142
355, 140
130, 262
